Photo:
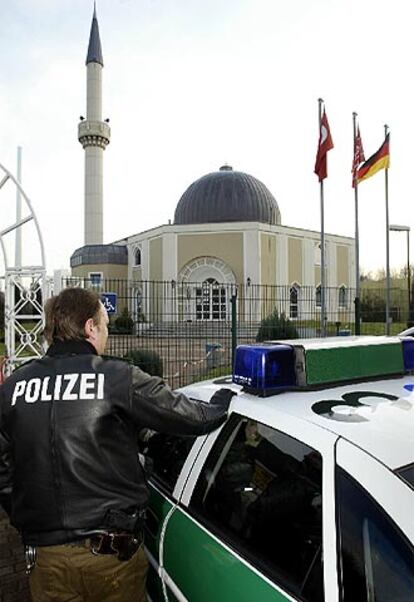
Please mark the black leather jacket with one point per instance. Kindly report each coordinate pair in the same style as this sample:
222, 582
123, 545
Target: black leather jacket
68, 439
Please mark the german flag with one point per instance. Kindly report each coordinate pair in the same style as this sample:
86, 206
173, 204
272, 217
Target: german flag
379, 160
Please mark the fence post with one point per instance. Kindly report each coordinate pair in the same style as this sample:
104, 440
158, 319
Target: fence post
233, 327
357, 315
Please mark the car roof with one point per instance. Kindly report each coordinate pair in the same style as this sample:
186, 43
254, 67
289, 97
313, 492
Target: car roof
382, 427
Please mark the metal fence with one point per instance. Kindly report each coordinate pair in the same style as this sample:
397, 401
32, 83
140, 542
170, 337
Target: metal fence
192, 328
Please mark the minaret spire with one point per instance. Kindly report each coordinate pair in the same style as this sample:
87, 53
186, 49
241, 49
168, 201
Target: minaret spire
94, 135
94, 49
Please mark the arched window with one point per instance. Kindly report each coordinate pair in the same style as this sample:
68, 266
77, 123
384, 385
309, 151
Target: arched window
211, 300
138, 256
343, 296
318, 296
293, 301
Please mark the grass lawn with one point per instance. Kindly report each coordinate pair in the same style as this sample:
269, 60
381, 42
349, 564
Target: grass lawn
367, 328
378, 328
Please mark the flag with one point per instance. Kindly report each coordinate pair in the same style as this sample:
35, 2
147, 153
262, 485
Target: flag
379, 160
325, 145
359, 157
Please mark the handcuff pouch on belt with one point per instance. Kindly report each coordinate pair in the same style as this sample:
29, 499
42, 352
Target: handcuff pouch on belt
125, 534
124, 538
124, 545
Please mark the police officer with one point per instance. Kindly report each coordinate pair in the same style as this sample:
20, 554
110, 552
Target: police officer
69, 475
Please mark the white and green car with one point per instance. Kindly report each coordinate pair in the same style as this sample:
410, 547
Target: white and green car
306, 493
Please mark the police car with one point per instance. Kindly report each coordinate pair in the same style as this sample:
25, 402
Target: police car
306, 493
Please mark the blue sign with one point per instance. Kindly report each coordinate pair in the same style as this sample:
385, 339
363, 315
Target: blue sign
109, 301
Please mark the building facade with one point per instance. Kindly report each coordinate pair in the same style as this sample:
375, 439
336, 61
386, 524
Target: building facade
227, 232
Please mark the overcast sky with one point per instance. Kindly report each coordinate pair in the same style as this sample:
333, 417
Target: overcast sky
192, 84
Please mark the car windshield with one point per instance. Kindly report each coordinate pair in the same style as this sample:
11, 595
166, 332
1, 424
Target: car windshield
406, 473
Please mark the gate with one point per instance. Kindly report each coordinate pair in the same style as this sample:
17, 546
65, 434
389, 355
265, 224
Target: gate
25, 284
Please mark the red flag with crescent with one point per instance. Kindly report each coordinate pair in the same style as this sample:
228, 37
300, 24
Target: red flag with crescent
325, 145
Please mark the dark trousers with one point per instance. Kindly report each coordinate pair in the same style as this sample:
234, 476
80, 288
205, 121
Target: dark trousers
71, 573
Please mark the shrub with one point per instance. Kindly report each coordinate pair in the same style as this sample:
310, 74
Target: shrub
276, 326
147, 360
124, 323
372, 307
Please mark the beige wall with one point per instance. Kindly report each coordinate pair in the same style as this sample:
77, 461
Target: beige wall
342, 265
108, 270
155, 266
226, 246
137, 273
318, 275
268, 258
295, 260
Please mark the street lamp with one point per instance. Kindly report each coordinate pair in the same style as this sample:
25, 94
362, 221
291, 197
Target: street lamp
395, 228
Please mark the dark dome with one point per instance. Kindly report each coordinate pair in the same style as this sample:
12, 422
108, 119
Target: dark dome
98, 254
227, 196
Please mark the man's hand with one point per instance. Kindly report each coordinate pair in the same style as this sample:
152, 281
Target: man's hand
222, 398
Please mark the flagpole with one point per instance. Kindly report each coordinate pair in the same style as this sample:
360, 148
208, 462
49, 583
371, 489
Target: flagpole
323, 279
357, 275
387, 246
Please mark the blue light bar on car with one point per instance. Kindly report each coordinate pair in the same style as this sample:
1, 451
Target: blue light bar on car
264, 369
408, 354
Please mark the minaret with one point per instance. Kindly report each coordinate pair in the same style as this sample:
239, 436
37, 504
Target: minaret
94, 135
110, 260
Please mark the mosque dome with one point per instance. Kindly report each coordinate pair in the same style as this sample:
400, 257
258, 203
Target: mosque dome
227, 196
99, 254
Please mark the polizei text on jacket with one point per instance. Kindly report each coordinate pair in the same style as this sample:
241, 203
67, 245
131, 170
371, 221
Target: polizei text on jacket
62, 387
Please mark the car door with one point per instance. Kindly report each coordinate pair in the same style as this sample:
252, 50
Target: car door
255, 517
167, 459
376, 531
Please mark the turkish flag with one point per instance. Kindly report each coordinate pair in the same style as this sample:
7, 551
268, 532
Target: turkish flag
325, 145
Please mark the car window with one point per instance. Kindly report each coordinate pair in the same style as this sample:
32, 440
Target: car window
377, 561
261, 491
165, 455
407, 474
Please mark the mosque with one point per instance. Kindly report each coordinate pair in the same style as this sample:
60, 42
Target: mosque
227, 227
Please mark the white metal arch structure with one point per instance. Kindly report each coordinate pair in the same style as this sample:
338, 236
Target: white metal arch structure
25, 290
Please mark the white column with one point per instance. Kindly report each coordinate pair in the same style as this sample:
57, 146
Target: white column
93, 195
94, 92
145, 259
